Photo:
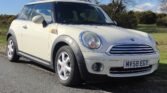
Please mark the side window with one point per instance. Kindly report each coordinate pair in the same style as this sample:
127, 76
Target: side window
45, 10
25, 14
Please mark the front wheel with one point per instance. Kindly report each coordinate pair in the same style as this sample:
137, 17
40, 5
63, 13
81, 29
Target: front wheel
66, 67
12, 50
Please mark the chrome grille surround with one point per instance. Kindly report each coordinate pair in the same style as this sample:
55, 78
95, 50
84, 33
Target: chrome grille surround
123, 49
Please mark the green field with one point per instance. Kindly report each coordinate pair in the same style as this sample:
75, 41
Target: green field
151, 28
3, 30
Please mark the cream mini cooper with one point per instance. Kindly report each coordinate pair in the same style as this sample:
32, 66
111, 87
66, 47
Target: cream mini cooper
80, 42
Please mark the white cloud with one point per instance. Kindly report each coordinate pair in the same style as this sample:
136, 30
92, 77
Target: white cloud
158, 10
144, 7
163, 7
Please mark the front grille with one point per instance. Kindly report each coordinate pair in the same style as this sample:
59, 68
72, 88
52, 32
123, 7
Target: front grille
131, 49
121, 70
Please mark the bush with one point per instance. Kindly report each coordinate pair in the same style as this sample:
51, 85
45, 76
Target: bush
117, 11
127, 20
122, 17
147, 17
6, 19
162, 22
161, 15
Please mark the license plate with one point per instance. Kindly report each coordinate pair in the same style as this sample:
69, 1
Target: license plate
136, 64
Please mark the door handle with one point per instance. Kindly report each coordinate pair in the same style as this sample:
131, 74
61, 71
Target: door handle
25, 27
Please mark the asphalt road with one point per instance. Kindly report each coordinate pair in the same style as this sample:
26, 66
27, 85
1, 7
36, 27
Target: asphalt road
27, 77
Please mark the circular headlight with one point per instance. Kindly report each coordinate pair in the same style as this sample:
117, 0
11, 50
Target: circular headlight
90, 40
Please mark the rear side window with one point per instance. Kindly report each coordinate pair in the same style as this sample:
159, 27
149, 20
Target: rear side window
25, 14
45, 10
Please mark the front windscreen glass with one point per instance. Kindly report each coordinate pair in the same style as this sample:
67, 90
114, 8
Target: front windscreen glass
78, 13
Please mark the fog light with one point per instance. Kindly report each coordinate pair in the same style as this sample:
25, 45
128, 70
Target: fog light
97, 67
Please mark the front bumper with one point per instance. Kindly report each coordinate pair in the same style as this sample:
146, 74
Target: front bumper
117, 61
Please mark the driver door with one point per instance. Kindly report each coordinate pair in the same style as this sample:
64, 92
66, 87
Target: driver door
35, 38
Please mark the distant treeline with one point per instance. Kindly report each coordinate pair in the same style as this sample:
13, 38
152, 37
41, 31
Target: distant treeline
130, 19
5, 20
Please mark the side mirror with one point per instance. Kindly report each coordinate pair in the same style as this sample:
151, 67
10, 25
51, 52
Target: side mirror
38, 19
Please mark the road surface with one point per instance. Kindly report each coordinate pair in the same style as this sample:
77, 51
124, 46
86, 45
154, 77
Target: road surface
27, 77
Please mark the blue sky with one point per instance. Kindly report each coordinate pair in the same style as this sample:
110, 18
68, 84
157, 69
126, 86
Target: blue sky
144, 5
14, 6
11, 6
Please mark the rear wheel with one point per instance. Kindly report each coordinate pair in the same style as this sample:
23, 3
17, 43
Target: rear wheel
11, 50
66, 67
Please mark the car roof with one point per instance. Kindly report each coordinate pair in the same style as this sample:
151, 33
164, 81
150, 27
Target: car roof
51, 1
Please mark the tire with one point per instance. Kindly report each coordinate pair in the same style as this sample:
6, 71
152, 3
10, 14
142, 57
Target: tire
66, 67
12, 50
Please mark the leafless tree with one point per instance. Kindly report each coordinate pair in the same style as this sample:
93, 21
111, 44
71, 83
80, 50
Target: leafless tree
120, 5
164, 6
126, 2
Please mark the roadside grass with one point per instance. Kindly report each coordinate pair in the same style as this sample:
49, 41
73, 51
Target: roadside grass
3, 30
161, 38
162, 45
161, 74
2, 43
163, 53
152, 28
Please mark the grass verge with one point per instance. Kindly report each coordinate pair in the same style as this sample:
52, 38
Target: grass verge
153, 28
3, 30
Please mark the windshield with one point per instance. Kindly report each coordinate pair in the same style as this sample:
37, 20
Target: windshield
78, 13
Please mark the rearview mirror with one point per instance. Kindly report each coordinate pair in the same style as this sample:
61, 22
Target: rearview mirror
38, 19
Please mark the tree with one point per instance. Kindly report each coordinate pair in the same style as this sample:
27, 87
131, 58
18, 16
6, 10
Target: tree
114, 8
161, 15
162, 21
117, 11
120, 5
127, 20
6, 19
147, 17
164, 6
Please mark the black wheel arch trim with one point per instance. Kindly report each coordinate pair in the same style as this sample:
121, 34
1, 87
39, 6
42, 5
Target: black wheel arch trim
12, 33
85, 75
77, 52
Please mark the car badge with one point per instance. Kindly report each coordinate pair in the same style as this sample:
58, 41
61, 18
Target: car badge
132, 39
